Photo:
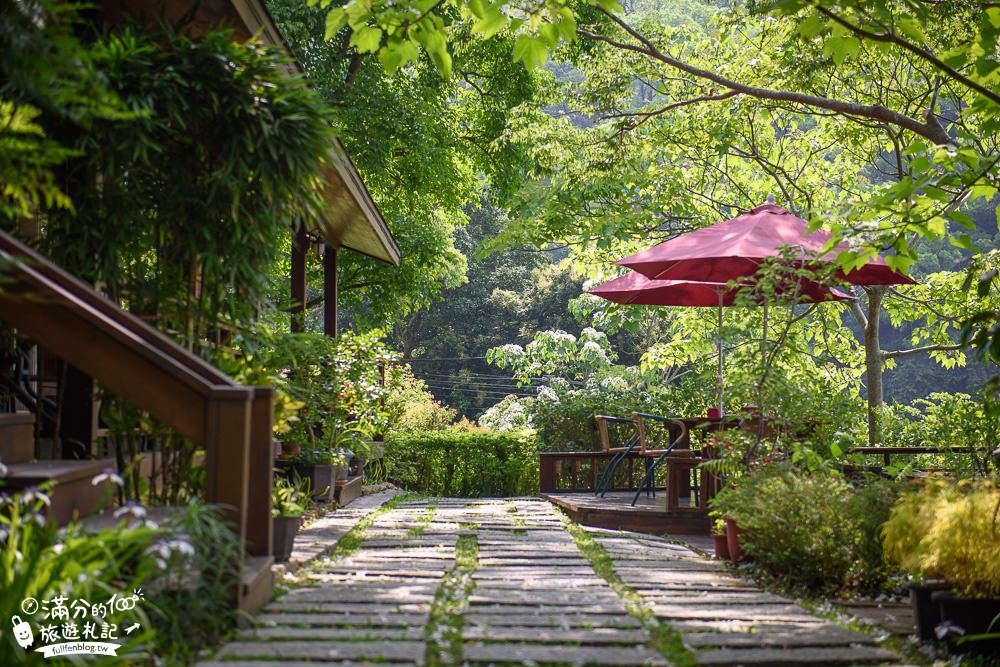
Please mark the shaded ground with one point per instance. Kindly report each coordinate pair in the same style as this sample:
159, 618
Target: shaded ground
510, 582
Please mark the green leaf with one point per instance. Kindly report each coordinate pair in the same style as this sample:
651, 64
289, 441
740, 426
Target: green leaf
963, 241
982, 191
842, 48
477, 8
811, 26
530, 50
442, 60
396, 53
336, 19
899, 262
993, 15
491, 22
366, 39
911, 28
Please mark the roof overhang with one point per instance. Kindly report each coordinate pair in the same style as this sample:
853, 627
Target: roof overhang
351, 219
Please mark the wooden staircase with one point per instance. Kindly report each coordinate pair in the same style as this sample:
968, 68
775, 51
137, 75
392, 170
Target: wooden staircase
129, 357
72, 493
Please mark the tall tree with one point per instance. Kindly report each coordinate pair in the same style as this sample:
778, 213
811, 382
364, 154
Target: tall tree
427, 143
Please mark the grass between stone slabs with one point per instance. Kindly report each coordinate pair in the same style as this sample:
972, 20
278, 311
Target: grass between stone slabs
424, 520
350, 542
663, 638
445, 621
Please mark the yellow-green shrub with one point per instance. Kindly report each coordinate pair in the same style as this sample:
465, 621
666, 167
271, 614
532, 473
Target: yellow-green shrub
951, 531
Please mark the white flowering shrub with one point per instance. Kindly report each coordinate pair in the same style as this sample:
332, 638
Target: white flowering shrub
510, 414
555, 353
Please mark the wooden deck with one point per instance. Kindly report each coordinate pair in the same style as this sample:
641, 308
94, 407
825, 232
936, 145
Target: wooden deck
615, 511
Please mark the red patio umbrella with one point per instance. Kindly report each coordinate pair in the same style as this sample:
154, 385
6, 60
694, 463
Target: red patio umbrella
634, 288
734, 249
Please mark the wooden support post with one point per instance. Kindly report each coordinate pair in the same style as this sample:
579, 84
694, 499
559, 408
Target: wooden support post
330, 291
300, 246
227, 462
261, 482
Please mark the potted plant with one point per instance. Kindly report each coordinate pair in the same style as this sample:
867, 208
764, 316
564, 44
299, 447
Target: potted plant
947, 532
721, 540
289, 501
335, 388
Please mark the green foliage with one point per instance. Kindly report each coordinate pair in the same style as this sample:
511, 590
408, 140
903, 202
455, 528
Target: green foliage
464, 463
398, 32
192, 599
47, 76
223, 155
38, 560
947, 420
185, 568
811, 531
950, 531
291, 498
335, 387
563, 415
410, 406
427, 146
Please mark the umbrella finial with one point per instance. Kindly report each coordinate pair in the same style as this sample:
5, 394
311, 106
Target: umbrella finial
769, 199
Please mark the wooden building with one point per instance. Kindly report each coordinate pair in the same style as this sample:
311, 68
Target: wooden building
79, 336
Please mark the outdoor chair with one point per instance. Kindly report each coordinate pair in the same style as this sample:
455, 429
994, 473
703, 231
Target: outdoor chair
620, 453
676, 454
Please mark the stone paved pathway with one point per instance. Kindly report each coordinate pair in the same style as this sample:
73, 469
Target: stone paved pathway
502, 582
321, 536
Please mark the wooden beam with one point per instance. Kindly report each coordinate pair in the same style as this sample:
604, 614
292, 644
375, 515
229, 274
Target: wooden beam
300, 246
330, 291
261, 482
119, 366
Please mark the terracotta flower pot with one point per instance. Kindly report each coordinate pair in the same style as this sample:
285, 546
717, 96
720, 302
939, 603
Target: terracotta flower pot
733, 533
721, 546
714, 413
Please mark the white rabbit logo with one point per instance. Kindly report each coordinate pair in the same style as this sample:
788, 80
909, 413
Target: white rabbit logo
22, 632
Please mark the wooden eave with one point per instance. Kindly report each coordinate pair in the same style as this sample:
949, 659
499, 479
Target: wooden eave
351, 218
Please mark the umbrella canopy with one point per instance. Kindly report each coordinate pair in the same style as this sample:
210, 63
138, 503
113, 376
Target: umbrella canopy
635, 288
734, 249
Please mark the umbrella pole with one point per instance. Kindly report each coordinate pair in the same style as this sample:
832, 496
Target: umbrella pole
722, 354
763, 372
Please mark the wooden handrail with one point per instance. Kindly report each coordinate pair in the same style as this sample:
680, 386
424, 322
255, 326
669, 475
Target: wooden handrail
137, 362
912, 450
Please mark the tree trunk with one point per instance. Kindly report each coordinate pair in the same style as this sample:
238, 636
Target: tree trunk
873, 363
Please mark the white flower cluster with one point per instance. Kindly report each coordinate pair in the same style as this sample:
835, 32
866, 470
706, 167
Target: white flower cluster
507, 415
547, 394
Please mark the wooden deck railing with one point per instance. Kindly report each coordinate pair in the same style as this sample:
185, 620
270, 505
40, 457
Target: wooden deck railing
579, 471
233, 422
888, 452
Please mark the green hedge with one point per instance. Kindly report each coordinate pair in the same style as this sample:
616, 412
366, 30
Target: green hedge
463, 463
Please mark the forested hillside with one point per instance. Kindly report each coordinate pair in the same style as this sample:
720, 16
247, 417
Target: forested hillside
520, 284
